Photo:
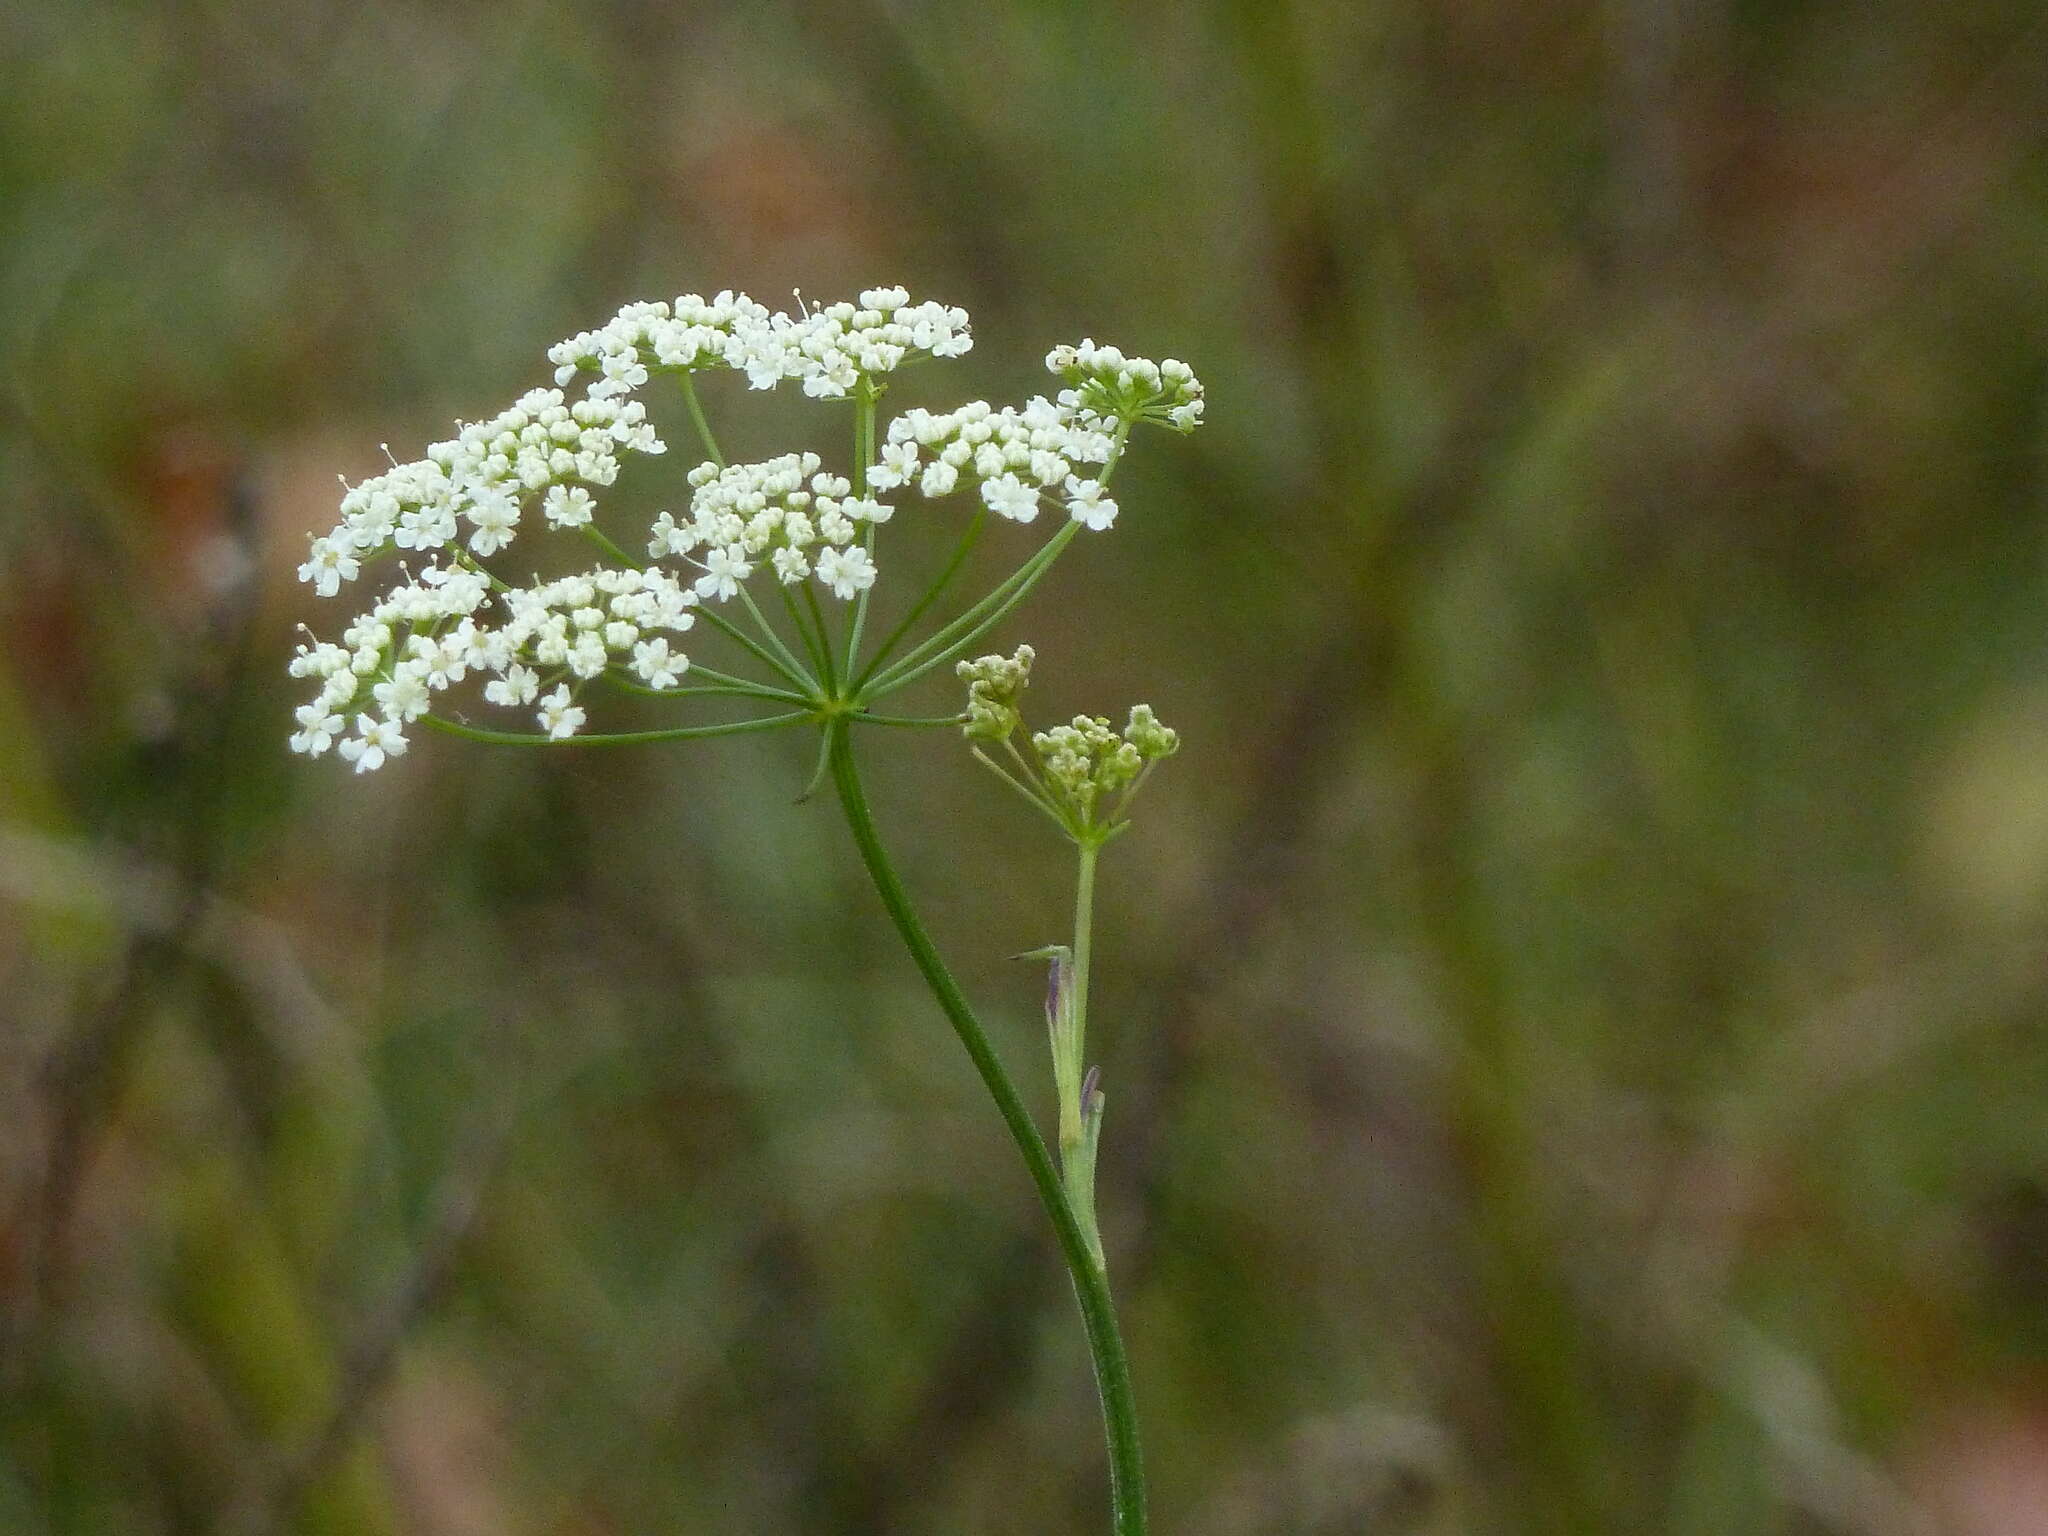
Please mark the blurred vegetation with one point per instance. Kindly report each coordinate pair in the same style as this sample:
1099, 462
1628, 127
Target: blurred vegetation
1572, 1017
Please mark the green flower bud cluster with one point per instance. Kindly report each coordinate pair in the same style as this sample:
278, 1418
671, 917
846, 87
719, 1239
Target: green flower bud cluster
1082, 775
1129, 389
993, 684
1086, 760
1151, 739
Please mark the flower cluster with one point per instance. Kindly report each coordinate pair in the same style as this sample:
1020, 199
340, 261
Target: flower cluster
1104, 381
827, 349
993, 686
803, 521
425, 636
539, 462
1082, 762
1074, 768
481, 477
1017, 455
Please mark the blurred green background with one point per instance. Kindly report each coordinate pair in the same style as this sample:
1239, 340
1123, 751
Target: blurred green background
1572, 1016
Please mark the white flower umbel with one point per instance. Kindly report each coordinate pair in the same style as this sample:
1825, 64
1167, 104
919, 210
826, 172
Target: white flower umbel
538, 468
1104, 381
1016, 454
827, 350
784, 512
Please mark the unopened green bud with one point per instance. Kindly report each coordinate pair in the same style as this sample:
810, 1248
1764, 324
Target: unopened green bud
993, 684
1118, 767
1151, 739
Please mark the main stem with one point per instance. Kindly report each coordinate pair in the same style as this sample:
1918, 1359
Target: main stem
1077, 1154
1091, 1284
1084, 928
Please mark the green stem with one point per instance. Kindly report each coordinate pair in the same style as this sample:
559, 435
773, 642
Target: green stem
963, 631
1019, 786
1091, 1284
741, 638
703, 425
1077, 1159
977, 621
863, 456
931, 595
811, 641
775, 641
713, 691
765, 690
1084, 926
611, 551
615, 738
831, 673
916, 722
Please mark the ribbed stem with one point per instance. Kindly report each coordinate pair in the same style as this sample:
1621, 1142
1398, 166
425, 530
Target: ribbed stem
1091, 1284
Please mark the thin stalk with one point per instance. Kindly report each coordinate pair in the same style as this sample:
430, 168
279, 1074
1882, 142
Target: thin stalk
703, 425
1031, 796
732, 631
943, 635
711, 691
775, 641
603, 541
944, 645
863, 456
912, 667
824, 638
1091, 1284
767, 690
919, 722
931, 595
813, 642
824, 762
615, 738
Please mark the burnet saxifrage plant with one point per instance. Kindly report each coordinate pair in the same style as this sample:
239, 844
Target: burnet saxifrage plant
453, 620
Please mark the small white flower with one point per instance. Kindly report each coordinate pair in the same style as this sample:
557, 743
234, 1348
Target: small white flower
330, 561
1047, 467
318, 728
518, 686
723, 572
791, 566
658, 666
558, 717
1087, 504
494, 515
404, 696
587, 655
899, 463
939, 479
624, 367
846, 571
567, 506
374, 741
1007, 496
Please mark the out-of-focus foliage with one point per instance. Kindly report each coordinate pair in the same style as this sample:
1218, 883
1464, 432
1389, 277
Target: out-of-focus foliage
1573, 1021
